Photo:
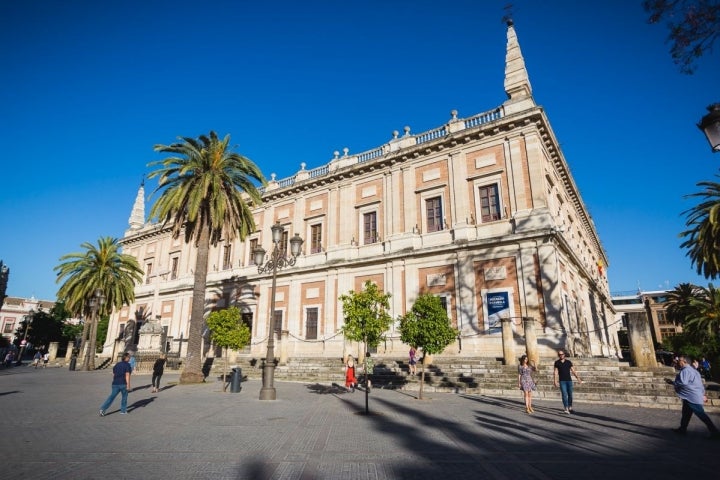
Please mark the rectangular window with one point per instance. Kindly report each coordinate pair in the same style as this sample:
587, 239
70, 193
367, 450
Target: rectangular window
227, 259
121, 331
489, 203
668, 332
278, 322
433, 210
370, 233
8, 327
444, 303
316, 238
148, 272
283, 244
174, 268
311, 323
253, 246
247, 319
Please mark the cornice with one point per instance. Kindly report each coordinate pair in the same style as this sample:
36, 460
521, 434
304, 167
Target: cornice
154, 230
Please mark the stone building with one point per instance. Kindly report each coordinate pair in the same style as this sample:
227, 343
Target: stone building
652, 304
481, 211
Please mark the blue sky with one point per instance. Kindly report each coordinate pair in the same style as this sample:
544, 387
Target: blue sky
87, 88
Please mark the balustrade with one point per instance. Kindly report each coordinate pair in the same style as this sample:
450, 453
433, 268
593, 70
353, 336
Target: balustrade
421, 138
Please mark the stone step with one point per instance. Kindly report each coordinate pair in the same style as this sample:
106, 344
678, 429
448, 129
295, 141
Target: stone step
605, 380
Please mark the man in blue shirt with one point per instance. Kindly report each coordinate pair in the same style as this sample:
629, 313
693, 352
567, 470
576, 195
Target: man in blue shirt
690, 389
120, 384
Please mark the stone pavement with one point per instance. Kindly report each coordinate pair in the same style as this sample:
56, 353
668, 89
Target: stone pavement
51, 430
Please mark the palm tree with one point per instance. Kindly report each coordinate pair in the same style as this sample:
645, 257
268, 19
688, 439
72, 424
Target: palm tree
100, 268
705, 320
679, 302
203, 186
703, 236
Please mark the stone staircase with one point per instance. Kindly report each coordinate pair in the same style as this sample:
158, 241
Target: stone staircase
320, 370
606, 381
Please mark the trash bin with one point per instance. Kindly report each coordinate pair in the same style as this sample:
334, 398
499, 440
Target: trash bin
235, 386
73, 362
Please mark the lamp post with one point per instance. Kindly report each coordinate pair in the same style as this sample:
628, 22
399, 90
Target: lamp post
96, 301
278, 260
710, 125
4, 274
23, 343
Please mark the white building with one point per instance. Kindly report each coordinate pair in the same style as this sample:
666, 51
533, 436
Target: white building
482, 211
15, 310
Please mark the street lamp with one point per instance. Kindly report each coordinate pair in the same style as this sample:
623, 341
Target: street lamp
710, 125
278, 260
23, 343
4, 274
95, 302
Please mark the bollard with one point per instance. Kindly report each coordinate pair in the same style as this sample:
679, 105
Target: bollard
235, 386
73, 361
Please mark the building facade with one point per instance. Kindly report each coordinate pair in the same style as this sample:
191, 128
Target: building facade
653, 305
481, 211
15, 310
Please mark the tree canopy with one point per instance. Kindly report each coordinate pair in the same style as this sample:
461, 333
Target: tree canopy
228, 331
366, 314
702, 238
46, 327
694, 26
427, 326
104, 269
697, 310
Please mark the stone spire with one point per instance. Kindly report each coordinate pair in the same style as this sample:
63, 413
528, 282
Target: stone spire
517, 82
137, 217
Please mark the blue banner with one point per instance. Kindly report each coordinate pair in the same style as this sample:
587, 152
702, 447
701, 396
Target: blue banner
498, 306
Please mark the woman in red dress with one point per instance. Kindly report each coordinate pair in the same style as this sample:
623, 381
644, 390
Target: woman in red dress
350, 380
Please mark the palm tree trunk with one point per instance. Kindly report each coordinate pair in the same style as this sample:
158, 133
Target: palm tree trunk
89, 359
192, 373
83, 343
92, 349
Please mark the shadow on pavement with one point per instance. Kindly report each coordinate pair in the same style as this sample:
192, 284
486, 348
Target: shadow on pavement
143, 387
587, 417
141, 403
324, 389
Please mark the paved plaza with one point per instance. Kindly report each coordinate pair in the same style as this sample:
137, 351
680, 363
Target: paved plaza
52, 430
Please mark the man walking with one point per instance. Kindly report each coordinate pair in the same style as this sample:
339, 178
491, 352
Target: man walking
37, 358
120, 384
562, 378
690, 389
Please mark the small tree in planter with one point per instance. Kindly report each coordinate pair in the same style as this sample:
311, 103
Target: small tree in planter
228, 332
427, 326
366, 320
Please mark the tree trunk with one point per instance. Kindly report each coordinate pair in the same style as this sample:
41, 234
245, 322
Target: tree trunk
83, 343
89, 358
225, 382
92, 344
192, 373
422, 377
